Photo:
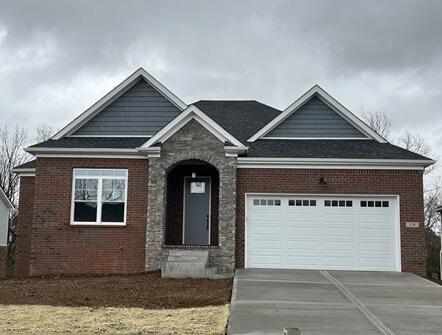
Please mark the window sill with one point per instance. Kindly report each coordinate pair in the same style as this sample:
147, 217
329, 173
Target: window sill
85, 224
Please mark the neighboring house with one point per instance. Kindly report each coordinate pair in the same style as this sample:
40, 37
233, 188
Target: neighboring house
5, 209
140, 174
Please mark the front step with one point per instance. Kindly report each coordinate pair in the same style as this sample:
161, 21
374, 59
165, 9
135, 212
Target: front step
187, 263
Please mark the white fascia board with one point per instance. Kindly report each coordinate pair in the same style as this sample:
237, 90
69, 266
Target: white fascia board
329, 100
25, 172
38, 150
113, 95
112, 136
321, 163
115, 153
316, 138
5, 199
192, 112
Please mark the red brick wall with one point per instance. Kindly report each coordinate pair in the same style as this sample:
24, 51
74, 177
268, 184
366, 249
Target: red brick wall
406, 184
24, 226
3, 259
58, 247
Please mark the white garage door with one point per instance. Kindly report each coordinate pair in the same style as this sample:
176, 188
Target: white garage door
322, 232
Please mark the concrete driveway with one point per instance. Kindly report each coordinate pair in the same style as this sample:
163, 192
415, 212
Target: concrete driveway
334, 302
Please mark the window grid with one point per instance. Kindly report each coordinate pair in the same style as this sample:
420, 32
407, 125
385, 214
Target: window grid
99, 175
266, 202
338, 203
374, 203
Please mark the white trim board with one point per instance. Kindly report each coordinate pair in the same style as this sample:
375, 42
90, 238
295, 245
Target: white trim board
112, 136
37, 150
113, 95
192, 113
329, 163
331, 102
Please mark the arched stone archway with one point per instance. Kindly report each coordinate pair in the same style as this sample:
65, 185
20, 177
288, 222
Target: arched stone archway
192, 142
192, 215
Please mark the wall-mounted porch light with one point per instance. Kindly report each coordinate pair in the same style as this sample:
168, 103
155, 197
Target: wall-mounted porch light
193, 174
322, 180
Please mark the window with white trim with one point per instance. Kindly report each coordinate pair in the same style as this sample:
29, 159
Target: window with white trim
99, 196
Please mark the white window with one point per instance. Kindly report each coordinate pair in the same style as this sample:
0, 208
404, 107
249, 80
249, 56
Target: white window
99, 197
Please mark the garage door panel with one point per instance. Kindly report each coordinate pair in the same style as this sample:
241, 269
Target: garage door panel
338, 246
376, 262
267, 260
339, 261
304, 232
375, 246
339, 232
376, 233
339, 217
300, 245
264, 244
307, 262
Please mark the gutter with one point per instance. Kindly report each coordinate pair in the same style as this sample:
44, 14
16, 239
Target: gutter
333, 163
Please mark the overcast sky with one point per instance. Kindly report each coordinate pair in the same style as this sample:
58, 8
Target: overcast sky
59, 57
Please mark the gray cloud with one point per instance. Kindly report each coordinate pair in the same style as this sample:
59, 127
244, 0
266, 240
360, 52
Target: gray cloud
58, 57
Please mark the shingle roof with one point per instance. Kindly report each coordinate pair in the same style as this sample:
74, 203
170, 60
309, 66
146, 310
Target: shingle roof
352, 149
28, 165
243, 119
93, 142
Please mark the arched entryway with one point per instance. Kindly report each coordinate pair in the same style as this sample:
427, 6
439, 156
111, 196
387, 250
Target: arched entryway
192, 203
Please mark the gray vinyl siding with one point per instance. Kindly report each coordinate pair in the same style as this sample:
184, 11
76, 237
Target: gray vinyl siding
141, 110
315, 119
4, 217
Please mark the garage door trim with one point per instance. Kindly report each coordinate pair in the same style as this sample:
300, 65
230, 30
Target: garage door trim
397, 232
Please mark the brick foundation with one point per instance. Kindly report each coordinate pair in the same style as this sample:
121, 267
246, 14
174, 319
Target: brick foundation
405, 183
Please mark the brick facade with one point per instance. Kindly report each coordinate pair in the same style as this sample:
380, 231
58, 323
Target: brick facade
3, 260
405, 183
57, 247
24, 226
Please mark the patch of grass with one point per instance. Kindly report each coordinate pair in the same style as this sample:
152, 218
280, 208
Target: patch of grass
51, 320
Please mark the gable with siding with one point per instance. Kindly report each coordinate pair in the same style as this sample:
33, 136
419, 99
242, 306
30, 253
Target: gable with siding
315, 119
140, 111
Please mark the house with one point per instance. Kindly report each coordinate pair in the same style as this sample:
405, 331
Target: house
5, 208
141, 180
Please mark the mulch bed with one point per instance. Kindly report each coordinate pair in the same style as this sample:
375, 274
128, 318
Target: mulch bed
147, 290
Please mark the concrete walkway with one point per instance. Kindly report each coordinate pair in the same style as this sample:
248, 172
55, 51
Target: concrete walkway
334, 303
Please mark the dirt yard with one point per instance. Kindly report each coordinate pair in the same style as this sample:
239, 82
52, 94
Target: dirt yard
136, 304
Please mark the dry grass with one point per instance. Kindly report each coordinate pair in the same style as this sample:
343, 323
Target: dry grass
50, 320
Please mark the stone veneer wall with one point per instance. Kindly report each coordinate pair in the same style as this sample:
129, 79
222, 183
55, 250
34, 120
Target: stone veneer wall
192, 141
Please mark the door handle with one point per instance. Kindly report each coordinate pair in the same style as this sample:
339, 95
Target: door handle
207, 221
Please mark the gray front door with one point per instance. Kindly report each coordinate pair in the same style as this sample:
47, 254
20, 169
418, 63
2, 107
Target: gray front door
196, 211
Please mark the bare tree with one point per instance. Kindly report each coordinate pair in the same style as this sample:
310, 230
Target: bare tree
416, 143
432, 199
11, 155
379, 122
44, 133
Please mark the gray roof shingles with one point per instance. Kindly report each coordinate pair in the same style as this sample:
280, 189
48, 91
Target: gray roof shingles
243, 119
28, 165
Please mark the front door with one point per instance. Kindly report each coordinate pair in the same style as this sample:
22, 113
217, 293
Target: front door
196, 224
